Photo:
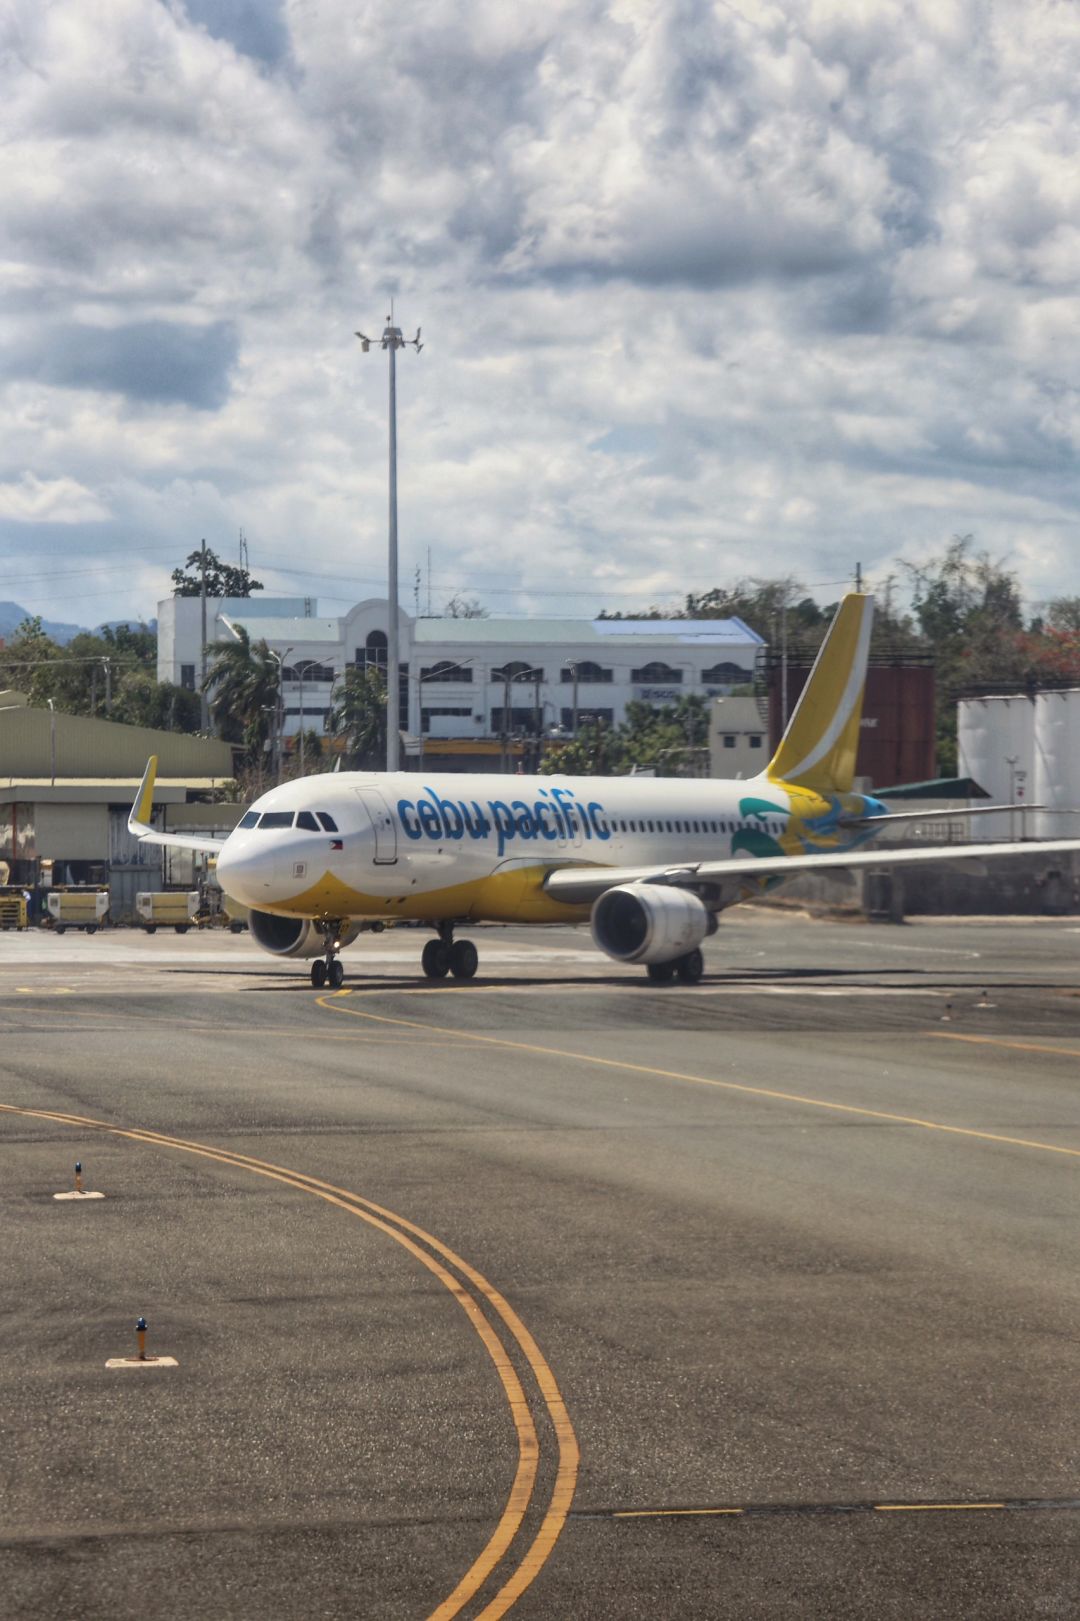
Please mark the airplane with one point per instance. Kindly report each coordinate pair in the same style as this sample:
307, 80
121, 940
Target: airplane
648, 862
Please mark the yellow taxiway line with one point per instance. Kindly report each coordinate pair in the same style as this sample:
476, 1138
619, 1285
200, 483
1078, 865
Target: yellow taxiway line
337, 1002
1010, 1046
399, 1229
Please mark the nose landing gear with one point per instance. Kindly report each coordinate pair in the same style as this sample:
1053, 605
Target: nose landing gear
449, 956
329, 970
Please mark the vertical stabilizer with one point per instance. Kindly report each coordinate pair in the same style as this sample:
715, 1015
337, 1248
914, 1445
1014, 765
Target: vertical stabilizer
818, 747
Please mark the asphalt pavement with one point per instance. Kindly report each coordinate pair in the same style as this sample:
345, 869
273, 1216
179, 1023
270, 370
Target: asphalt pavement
553, 1294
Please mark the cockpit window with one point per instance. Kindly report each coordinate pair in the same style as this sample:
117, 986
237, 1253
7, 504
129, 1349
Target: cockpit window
249, 820
275, 819
305, 820
329, 825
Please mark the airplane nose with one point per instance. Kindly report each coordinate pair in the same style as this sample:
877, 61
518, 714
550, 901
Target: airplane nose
245, 873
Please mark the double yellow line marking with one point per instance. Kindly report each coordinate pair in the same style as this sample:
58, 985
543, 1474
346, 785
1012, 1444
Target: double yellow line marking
468, 1295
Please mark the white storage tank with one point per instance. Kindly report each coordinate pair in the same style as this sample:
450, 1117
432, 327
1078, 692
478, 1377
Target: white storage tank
996, 746
1057, 763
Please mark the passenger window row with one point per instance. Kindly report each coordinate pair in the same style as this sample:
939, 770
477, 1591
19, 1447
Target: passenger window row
685, 825
304, 819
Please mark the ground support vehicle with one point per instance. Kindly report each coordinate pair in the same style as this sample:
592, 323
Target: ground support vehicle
167, 908
78, 909
12, 908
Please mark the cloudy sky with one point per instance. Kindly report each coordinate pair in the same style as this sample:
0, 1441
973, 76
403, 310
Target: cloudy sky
707, 290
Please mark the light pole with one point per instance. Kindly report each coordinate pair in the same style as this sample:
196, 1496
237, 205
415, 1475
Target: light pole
279, 712
392, 341
536, 675
572, 667
52, 742
457, 664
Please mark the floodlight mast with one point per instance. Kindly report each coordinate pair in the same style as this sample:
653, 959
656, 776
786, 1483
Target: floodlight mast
392, 341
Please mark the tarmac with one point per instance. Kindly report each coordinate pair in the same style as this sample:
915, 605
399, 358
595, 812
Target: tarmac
555, 1294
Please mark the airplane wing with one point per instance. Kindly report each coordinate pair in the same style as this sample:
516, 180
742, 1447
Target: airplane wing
581, 885
938, 815
139, 819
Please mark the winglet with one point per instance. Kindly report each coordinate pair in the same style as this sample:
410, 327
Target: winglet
141, 811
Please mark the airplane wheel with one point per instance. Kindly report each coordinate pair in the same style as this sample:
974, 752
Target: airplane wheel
661, 973
318, 974
435, 960
336, 974
464, 959
691, 967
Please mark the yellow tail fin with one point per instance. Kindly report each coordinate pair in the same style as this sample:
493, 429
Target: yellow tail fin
821, 740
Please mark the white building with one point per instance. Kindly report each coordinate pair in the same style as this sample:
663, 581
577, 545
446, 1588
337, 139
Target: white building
738, 737
468, 684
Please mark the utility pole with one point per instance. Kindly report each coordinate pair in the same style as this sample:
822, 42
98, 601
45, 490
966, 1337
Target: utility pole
108, 686
392, 341
300, 678
538, 718
506, 722
783, 668
204, 704
858, 576
574, 671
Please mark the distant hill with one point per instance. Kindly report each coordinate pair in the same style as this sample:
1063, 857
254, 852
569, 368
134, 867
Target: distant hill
12, 616
135, 624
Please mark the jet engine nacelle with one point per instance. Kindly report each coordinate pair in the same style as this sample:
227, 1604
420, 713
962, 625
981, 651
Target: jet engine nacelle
649, 922
291, 936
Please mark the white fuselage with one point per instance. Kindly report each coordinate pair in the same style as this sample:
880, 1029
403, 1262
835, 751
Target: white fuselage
419, 846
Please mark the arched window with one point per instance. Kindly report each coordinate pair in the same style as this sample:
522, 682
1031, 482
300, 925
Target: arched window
446, 670
375, 650
726, 675
515, 668
587, 671
307, 670
657, 672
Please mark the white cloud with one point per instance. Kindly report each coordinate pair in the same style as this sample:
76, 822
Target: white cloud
705, 291
30, 499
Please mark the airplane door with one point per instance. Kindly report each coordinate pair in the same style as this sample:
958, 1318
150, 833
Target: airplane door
383, 823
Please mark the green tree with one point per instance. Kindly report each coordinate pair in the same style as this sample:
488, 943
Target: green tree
595, 752
460, 607
222, 579
1063, 614
243, 685
27, 663
140, 700
968, 608
359, 717
660, 739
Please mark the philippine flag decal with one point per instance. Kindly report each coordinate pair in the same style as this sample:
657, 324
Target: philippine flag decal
335, 844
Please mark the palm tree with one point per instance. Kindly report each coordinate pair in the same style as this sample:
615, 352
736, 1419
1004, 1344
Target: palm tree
359, 714
245, 681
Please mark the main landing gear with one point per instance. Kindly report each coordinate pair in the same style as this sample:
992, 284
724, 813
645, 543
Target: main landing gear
449, 956
329, 970
688, 969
